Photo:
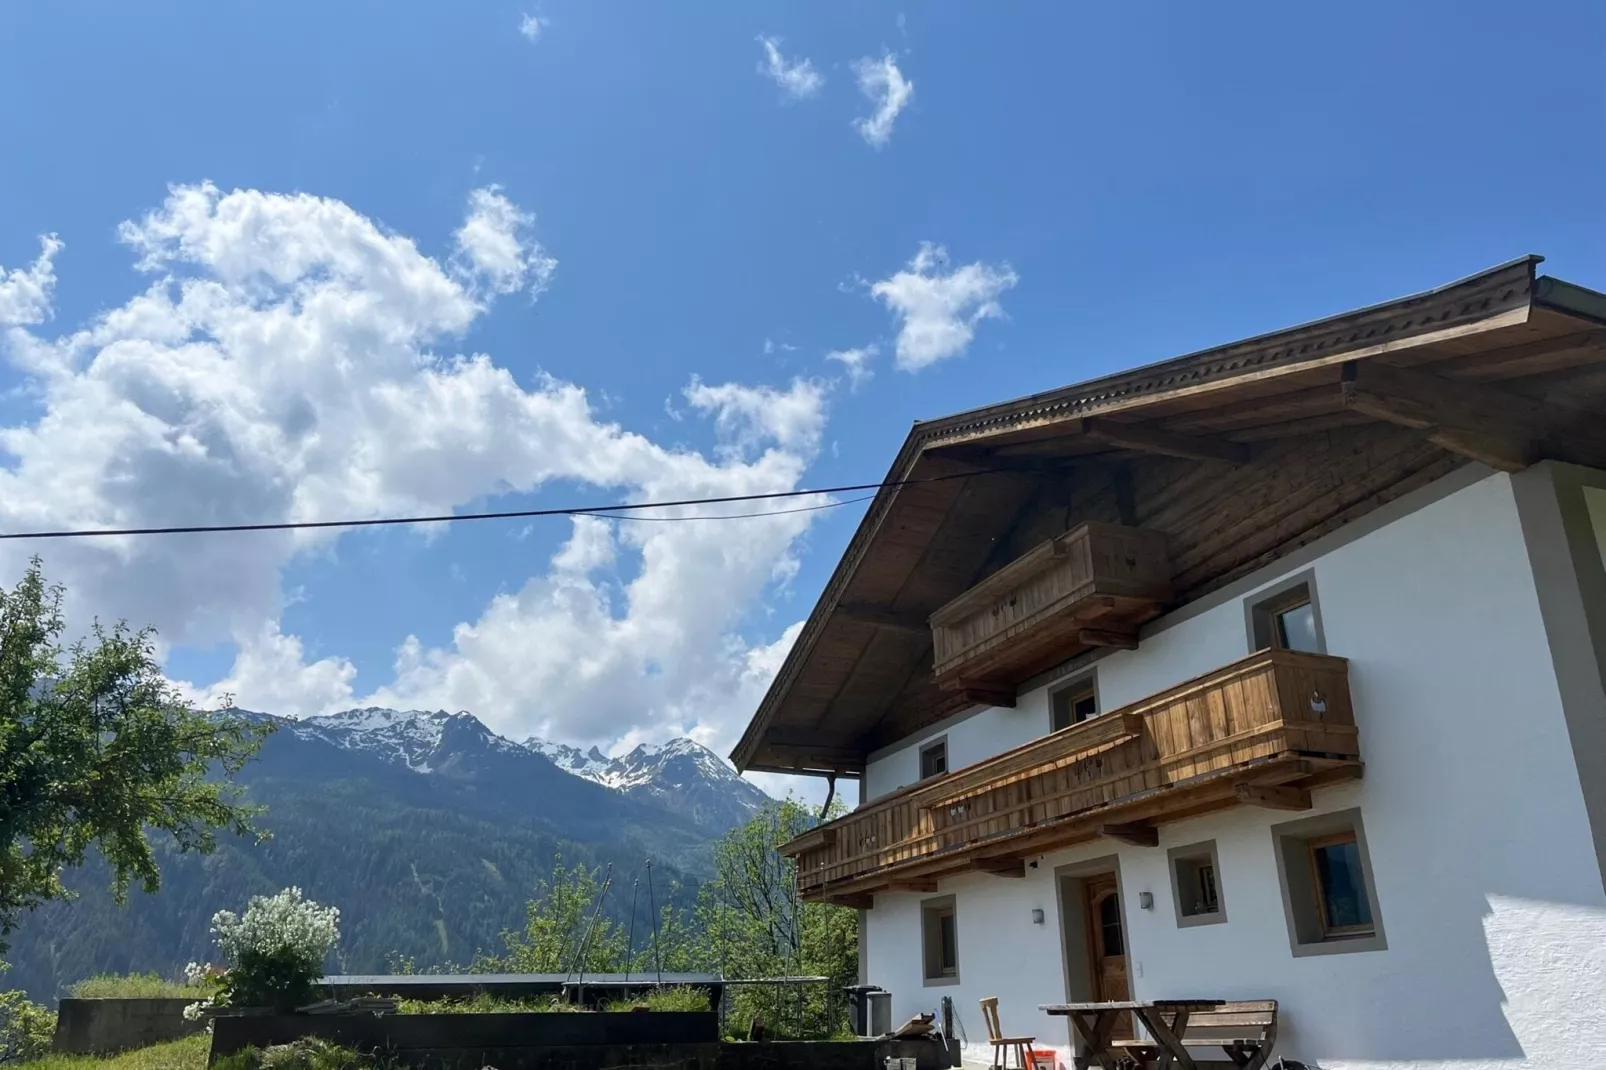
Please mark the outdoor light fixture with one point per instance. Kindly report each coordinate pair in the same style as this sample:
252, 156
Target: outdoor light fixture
1146, 900
1037, 915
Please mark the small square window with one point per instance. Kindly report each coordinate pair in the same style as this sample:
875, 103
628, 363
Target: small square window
1328, 891
1196, 884
934, 759
1288, 620
939, 934
1074, 704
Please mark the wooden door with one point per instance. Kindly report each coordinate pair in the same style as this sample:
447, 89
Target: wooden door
1106, 946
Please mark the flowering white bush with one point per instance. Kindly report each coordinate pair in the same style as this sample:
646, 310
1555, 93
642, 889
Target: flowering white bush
275, 951
287, 924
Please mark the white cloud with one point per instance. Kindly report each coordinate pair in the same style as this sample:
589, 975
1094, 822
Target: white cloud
857, 361
887, 89
531, 26
939, 309
494, 244
290, 360
797, 78
25, 293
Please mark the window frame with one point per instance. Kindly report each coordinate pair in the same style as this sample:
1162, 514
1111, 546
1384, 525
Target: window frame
1264, 608
1085, 685
1304, 907
932, 973
1192, 856
1336, 932
930, 745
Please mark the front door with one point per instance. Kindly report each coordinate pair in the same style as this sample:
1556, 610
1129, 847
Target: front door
1106, 946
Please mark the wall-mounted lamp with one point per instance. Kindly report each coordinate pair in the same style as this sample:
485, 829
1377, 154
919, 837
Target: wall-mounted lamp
1037, 915
1146, 900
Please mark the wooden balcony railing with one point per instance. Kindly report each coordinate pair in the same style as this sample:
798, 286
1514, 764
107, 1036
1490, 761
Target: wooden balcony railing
1092, 586
1259, 731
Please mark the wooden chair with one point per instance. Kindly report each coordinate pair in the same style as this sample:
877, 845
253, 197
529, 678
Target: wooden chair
1245, 1031
1002, 1044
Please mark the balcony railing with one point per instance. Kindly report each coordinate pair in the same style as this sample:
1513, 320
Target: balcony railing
1092, 586
1258, 732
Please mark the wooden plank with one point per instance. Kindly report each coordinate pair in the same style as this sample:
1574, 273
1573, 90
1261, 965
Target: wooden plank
1147, 438
882, 617
1105, 637
1274, 798
1136, 835
1002, 867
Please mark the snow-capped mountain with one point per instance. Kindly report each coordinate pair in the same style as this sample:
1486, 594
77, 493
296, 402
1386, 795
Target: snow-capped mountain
681, 775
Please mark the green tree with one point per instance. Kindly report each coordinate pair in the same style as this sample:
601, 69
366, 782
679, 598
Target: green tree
756, 926
563, 929
96, 749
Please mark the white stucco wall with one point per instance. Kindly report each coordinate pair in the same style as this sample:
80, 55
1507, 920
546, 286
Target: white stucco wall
1490, 893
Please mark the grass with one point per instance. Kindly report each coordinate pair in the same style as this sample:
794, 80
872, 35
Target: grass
678, 998
187, 1054
134, 986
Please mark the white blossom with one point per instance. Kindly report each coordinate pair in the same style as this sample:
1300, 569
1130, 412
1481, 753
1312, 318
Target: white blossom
284, 922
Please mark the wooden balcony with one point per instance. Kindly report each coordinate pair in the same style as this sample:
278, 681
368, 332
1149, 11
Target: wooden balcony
1259, 732
1092, 586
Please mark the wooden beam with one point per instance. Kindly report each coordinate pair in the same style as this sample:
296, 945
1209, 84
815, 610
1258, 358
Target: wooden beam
982, 459
861, 901
1146, 438
1106, 637
986, 694
1273, 798
1136, 835
1002, 867
881, 617
911, 886
1483, 423
803, 755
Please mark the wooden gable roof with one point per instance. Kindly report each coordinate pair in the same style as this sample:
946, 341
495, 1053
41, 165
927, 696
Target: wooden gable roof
1238, 453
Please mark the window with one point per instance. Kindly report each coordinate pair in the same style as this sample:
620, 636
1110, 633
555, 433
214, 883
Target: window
940, 936
1074, 704
1195, 884
934, 759
1287, 619
1342, 903
1329, 895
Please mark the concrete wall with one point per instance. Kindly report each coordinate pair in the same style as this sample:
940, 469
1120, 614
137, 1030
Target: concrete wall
93, 1026
1488, 886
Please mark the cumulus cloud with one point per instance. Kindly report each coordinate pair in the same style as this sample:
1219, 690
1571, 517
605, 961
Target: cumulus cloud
797, 77
290, 360
494, 244
25, 293
531, 26
939, 308
888, 90
856, 361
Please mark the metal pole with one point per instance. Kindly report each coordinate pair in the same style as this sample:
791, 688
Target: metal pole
652, 904
585, 945
630, 945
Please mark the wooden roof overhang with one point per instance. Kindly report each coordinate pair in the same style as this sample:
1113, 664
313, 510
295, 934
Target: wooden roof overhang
1239, 453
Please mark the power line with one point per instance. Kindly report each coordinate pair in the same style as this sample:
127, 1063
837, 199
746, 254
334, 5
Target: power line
509, 514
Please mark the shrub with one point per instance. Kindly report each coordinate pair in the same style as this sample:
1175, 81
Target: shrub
26, 1028
308, 1053
275, 951
134, 986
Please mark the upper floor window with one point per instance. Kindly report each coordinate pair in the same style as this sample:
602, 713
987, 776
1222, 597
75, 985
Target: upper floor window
1288, 620
934, 759
1073, 704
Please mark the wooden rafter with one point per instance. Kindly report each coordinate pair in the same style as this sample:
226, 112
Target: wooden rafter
1484, 423
1120, 640
881, 617
1274, 798
1135, 834
1148, 439
1002, 867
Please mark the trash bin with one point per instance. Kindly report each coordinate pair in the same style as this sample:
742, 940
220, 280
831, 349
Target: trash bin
880, 1013
859, 1009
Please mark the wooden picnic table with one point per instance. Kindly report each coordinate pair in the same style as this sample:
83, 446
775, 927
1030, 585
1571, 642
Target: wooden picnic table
1165, 1020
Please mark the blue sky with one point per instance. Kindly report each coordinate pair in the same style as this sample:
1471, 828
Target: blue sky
1111, 185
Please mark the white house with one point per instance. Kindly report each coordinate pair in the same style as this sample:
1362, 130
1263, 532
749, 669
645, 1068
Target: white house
1276, 671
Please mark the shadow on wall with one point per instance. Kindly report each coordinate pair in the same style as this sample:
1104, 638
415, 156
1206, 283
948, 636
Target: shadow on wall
1540, 1004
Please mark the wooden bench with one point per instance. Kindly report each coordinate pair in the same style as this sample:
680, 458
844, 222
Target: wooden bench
1245, 1030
